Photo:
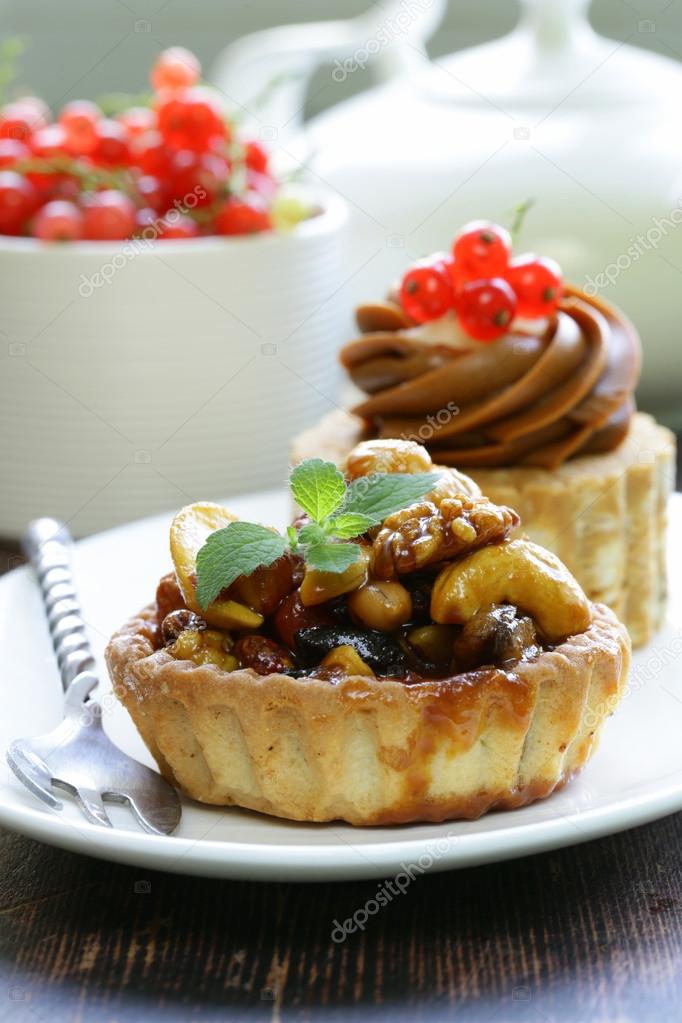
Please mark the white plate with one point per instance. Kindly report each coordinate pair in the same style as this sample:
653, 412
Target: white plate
636, 776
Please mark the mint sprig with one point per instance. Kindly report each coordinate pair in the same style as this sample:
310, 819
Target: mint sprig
238, 549
338, 512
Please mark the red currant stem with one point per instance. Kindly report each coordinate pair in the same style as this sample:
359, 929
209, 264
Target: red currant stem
112, 103
519, 215
10, 51
202, 214
89, 177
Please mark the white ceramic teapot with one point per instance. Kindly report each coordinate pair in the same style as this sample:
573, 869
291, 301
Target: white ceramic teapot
586, 126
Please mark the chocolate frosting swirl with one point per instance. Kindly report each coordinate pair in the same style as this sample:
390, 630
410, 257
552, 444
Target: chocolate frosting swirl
522, 400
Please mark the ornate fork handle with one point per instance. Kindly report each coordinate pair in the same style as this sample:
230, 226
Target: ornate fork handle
47, 545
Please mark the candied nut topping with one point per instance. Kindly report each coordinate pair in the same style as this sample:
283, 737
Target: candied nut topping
437, 588
205, 647
495, 635
387, 456
425, 534
176, 622
344, 660
263, 655
514, 572
168, 596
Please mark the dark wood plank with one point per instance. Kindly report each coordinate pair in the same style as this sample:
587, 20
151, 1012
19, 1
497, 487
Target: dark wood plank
589, 933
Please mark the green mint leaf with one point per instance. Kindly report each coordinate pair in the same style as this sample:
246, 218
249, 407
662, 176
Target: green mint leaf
348, 526
236, 550
331, 557
381, 494
318, 487
312, 533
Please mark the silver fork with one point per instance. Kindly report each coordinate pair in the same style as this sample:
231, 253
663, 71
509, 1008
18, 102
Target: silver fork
77, 756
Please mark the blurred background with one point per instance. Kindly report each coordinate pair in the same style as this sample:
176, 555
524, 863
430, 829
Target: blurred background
80, 49
187, 376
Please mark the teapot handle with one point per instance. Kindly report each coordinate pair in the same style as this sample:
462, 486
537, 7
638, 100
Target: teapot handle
274, 66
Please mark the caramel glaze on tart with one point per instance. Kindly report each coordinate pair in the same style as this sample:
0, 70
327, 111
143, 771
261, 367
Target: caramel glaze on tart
487, 689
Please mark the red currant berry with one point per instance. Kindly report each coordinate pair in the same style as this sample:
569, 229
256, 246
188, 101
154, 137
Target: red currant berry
12, 152
20, 119
146, 218
256, 157
49, 142
150, 154
537, 283
176, 68
79, 121
137, 120
481, 249
18, 199
151, 191
108, 216
38, 110
111, 145
426, 290
485, 308
190, 119
58, 221
177, 227
196, 178
242, 216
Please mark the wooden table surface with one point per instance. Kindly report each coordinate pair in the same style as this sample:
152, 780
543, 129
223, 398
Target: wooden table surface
590, 933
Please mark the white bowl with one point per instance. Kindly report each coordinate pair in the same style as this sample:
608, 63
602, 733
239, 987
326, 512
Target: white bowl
139, 376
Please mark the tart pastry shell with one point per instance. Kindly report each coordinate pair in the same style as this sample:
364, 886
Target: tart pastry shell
603, 515
372, 751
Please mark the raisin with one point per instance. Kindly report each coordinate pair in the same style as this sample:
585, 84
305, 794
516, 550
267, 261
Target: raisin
377, 649
263, 655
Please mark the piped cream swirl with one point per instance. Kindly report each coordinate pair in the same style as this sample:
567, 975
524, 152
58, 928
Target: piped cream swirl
527, 399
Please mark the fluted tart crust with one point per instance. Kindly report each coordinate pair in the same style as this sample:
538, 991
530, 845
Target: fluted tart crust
372, 750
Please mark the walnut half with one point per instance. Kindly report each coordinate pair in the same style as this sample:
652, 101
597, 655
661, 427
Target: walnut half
425, 534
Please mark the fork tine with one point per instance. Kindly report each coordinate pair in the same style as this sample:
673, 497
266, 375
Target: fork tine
31, 770
92, 806
77, 756
157, 813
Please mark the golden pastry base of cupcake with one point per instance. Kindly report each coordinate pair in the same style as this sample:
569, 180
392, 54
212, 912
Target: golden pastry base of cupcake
367, 750
603, 515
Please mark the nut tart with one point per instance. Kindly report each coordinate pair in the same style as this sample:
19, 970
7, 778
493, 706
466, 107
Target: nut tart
395, 657
527, 384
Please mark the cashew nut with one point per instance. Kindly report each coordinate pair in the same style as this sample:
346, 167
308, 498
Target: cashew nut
452, 483
514, 572
190, 529
408, 456
347, 660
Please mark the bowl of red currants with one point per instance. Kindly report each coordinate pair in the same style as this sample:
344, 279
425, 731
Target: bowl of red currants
170, 304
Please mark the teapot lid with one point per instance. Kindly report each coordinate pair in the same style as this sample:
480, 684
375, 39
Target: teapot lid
553, 57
